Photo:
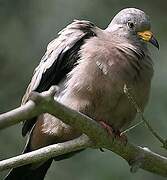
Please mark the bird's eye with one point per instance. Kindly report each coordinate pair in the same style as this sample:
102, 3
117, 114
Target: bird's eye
131, 25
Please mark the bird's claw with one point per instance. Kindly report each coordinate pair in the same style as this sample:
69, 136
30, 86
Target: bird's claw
114, 133
107, 127
121, 137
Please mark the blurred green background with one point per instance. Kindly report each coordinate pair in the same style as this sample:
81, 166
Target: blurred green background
26, 27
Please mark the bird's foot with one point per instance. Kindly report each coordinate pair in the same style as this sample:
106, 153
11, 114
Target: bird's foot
121, 137
114, 133
107, 127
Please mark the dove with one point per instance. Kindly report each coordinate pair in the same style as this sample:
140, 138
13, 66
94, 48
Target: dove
91, 66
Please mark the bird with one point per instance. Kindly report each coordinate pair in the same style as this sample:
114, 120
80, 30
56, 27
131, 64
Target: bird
91, 66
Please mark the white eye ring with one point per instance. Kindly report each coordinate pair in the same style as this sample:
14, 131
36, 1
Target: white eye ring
131, 25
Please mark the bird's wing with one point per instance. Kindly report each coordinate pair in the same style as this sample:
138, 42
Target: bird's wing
60, 58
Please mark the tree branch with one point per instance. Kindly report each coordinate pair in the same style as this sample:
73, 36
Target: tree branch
137, 157
46, 153
19, 114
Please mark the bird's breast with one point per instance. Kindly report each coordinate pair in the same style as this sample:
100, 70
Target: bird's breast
95, 85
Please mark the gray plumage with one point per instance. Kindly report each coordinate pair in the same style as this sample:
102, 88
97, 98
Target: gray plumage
91, 66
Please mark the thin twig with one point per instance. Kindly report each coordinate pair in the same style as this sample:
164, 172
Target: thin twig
132, 100
131, 127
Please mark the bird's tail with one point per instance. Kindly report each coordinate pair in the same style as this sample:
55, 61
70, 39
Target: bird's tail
27, 172
35, 171
30, 171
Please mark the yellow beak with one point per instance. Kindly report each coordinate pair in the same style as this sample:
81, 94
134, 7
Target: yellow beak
148, 37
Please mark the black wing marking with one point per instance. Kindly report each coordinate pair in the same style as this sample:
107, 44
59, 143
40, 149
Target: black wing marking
60, 58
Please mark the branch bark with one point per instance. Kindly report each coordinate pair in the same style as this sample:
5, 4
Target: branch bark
136, 156
46, 153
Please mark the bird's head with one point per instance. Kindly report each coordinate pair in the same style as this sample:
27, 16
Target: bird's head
132, 22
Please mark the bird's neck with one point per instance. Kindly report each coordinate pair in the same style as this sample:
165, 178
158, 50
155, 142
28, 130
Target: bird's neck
120, 35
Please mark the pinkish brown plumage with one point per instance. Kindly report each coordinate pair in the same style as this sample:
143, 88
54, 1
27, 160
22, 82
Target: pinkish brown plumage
91, 66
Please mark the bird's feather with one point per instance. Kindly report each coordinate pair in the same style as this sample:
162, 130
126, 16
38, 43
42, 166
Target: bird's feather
60, 58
